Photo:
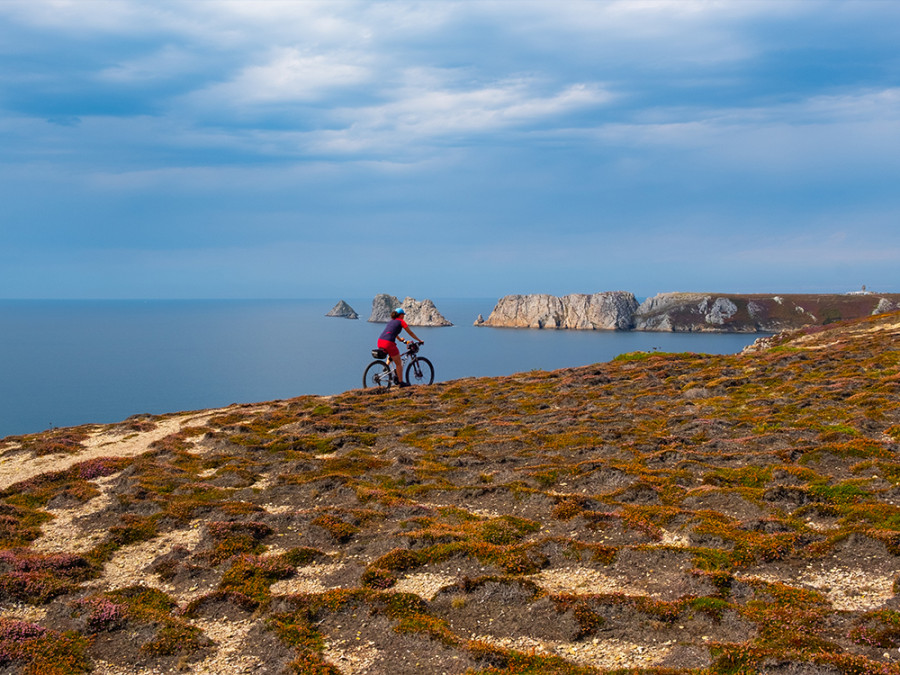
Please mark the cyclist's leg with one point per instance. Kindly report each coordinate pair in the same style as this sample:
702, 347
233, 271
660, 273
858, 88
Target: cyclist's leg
394, 354
398, 366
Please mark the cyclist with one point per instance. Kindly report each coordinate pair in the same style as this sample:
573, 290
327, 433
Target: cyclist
389, 336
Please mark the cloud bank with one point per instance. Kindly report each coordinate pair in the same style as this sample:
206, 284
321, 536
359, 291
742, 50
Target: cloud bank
499, 146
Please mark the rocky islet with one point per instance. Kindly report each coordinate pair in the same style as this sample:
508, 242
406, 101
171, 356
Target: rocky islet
418, 313
343, 310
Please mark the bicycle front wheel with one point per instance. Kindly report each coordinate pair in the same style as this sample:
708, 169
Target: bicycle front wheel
420, 371
377, 375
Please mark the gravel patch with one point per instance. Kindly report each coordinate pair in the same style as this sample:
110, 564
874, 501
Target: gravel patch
598, 653
581, 580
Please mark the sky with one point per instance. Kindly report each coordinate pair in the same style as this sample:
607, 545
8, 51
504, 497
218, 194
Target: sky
472, 148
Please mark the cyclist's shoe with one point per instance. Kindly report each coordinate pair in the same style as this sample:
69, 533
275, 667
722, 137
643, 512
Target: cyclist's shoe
403, 384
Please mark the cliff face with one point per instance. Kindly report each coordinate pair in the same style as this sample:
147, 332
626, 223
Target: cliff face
612, 310
704, 312
685, 312
418, 313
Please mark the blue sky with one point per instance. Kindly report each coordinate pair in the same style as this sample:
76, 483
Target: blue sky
267, 148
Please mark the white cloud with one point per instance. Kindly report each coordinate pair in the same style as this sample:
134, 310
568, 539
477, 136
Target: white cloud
836, 134
74, 16
864, 105
655, 34
326, 19
429, 115
289, 74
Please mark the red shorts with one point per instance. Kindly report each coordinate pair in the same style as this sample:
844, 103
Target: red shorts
388, 346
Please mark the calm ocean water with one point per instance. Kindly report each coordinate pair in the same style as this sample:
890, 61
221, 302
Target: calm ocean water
64, 363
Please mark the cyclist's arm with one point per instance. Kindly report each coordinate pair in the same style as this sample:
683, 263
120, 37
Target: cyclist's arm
412, 335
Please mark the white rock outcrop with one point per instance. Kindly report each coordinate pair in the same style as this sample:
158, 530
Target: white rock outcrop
611, 310
721, 309
884, 305
687, 312
418, 313
382, 305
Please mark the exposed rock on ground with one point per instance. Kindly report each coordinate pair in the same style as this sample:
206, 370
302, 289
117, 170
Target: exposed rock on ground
663, 513
418, 313
613, 310
343, 310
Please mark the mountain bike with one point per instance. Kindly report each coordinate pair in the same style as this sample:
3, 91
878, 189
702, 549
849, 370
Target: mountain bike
380, 373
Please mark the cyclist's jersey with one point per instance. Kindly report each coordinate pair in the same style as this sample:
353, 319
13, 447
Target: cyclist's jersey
392, 330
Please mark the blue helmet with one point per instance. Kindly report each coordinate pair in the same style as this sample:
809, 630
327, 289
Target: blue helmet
399, 310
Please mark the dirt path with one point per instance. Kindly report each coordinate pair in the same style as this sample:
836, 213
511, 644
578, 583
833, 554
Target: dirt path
106, 441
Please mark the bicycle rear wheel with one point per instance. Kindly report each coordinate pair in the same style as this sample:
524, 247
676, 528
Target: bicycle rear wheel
377, 375
420, 371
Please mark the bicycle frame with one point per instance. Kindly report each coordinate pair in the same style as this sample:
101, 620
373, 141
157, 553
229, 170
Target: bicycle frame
419, 369
406, 358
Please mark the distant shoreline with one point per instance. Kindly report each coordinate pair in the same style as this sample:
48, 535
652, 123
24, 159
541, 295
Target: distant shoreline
686, 312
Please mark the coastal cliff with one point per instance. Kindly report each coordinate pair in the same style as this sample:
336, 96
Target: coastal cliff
612, 310
708, 312
418, 313
685, 312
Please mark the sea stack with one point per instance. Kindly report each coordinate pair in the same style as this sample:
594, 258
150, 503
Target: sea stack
418, 313
343, 310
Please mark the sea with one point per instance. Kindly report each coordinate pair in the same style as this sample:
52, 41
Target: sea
72, 362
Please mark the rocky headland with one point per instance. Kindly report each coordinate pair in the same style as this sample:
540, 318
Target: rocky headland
343, 310
757, 312
677, 514
418, 313
686, 312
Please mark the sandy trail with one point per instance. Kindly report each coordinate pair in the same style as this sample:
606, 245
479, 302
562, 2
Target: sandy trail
106, 441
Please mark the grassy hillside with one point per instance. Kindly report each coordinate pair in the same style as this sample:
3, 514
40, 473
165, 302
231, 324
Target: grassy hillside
663, 513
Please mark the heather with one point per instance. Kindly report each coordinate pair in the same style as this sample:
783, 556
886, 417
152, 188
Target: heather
661, 513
